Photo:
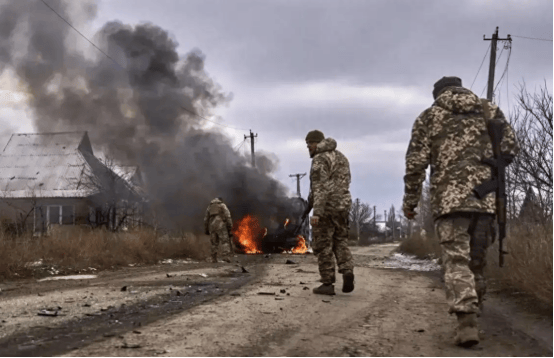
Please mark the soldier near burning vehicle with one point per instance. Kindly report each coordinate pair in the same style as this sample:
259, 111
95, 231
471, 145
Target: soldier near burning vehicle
452, 136
331, 200
218, 224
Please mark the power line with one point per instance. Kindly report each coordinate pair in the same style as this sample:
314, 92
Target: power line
117, 63
505, 69
532, 38
484, 57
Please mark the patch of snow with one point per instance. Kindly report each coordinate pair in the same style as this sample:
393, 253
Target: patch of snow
72, 277
34, 264
409, 262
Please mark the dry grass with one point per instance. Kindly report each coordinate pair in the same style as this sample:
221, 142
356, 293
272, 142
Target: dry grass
420, 246
528, 266
75, 249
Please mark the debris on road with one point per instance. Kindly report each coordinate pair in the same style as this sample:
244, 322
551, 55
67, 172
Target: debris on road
306, 288
266, 293
71, 277
279, 298
203, 275
243, 269
283, 290
130, 345
124, 288
326, 301
168, 275
137, 332
290, 262
50, 312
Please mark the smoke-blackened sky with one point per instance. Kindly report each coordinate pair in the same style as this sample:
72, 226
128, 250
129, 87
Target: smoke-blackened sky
136, 102
360, 71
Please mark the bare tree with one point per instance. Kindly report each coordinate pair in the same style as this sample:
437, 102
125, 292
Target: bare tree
424, 217
22, 211
360, 214
111, 195
532, 168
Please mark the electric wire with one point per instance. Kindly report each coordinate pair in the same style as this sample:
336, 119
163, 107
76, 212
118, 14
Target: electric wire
532, 38
479, 70
121, 66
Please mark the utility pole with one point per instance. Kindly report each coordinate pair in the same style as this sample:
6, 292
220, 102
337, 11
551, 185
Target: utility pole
374, 218
492, 65
298, 177
358, 218
251, 136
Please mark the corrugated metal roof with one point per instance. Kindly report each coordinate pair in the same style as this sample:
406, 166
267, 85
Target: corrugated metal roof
45, 165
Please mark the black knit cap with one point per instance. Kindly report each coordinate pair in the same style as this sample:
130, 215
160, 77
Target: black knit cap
446, 82
315, 136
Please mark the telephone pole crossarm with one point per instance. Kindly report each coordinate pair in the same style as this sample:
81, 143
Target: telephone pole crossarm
252, 136
298, 177
494, 39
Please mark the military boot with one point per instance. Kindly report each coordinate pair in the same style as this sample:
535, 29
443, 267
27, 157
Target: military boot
348, 282
325, 289
467, 334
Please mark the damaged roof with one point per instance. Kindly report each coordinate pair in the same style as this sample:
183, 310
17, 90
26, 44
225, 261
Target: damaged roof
47, 165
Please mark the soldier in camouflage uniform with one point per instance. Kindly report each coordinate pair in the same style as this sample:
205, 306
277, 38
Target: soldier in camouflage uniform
218, 224
452, 137
331, 201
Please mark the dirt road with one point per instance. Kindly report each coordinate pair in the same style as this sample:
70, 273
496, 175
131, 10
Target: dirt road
201, 309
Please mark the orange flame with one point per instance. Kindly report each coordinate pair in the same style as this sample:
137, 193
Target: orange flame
301, 247
247, 233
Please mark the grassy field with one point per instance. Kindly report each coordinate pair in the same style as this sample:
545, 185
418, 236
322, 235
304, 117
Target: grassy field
74, 249
527, 267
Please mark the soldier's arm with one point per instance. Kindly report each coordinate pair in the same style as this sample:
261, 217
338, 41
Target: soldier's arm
418, 158
320, 184
207, 220
228, 219
509, 145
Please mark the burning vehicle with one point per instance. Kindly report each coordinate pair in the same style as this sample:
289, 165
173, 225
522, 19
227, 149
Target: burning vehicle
288, 234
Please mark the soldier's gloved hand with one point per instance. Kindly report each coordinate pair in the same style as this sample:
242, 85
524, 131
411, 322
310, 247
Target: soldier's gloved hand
314, 220
409, 214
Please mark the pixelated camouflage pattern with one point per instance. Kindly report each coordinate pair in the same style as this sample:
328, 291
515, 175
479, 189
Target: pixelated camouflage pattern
481, 238
452, 231
218, 237
330, 243
329, 180
452, 137
217, 216
218, 223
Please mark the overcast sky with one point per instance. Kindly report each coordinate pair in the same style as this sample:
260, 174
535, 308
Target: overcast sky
360, 71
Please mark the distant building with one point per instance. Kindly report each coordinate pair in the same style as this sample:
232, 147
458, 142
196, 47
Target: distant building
51, 179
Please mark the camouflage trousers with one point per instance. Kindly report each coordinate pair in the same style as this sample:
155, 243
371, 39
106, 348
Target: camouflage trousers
464, 239
218, 237
330, 242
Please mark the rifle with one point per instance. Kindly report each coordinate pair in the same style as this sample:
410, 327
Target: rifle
497, 183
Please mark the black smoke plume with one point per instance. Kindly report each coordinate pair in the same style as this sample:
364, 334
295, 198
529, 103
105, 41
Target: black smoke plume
135, 104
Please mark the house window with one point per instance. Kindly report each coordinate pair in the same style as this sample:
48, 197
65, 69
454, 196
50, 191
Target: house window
60, 215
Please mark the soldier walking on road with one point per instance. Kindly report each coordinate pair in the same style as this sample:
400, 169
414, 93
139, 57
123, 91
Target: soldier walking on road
331, 201
218, 224
452, 137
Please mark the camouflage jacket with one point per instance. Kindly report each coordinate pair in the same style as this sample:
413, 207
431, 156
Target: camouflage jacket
329, 180
217, 217
452, 137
